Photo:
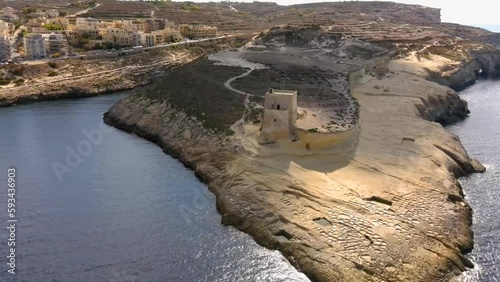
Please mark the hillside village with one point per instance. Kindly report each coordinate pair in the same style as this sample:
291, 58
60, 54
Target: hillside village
32, 33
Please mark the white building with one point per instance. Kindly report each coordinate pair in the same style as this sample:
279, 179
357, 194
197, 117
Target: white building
34, 45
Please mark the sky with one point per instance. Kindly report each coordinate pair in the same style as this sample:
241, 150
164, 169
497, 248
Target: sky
477, 12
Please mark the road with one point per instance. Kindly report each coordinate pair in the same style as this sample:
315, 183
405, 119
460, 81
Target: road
82, 11
129, 51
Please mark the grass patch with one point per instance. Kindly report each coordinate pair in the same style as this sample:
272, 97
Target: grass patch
198, 90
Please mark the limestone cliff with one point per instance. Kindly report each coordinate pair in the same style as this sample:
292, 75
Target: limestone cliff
483, 64
490, 63
388, 208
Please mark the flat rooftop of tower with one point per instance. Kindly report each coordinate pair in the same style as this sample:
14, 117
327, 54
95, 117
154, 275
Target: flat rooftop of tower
282, 92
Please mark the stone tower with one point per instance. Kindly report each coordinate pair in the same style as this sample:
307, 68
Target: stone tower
280, 114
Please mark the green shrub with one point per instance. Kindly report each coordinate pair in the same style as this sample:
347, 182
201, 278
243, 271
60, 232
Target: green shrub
18, 71
315, 27
53, 73
4, 81
52, 65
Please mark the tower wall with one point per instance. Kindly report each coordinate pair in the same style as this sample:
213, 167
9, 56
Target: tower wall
276, 125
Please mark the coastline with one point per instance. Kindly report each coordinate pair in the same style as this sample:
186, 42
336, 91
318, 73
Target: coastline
432, 161
99, 76
367, 185
380, 208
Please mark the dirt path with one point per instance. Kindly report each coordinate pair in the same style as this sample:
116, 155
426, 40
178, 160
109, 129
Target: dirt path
235, 59
83, 11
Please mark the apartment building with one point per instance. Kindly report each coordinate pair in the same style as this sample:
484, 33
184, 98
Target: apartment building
134, 25
197, 31
34, 44
87, 24
34, 24
4, 48
55, 43
136, 39
147, 39
118, 36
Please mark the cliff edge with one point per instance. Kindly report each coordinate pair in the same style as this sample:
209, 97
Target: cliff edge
385, 206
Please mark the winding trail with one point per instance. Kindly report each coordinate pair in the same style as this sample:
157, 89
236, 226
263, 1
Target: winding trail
237, 126
235, 59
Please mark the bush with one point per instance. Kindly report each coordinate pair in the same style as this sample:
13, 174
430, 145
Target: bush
315, 27
18, 71
52, 65
4, 81
53, 73
52, 27
19, 81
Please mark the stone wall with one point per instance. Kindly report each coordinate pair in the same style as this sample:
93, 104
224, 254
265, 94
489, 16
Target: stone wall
276, 125
341, 142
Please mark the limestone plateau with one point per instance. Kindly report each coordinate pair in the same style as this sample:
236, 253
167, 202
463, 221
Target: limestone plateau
381, 202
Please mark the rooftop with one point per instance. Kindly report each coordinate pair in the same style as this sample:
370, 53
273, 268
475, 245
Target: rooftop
282, 92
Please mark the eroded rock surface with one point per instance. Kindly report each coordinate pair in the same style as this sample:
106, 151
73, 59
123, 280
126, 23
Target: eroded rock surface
387, 207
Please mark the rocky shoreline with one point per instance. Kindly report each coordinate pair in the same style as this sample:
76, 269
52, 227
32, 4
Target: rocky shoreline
88, 78
87, 89
334, 216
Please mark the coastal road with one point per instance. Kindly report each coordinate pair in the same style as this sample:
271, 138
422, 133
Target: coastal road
128, 51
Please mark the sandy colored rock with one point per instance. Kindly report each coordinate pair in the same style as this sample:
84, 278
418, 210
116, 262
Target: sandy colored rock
389, 209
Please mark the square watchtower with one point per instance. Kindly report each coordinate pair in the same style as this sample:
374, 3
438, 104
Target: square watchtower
280, 114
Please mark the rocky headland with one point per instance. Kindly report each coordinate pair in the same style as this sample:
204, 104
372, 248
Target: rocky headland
383, 205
